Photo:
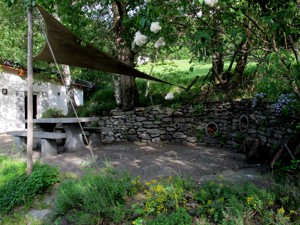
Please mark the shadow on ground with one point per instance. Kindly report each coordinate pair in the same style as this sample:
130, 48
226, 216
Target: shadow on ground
154, 161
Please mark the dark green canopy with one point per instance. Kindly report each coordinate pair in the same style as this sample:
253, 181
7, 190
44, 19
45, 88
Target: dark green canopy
68, 49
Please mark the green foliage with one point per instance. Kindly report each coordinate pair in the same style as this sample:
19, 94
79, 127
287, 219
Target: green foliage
99, 104
201, 135
53, 113
289, 169
164, 195
241, 204
210, 199
94, 199
287, 195
221, 138
179, 217
112, 197
16, 188
198, 108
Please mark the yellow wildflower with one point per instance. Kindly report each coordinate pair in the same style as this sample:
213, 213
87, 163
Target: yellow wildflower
249, 200
281, 210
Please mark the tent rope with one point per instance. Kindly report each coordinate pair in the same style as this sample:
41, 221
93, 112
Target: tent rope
63, 82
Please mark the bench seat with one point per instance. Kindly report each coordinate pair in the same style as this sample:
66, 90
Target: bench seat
48, 140
38, 134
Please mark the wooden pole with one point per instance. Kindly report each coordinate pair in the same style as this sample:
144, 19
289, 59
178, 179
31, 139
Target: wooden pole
29, 89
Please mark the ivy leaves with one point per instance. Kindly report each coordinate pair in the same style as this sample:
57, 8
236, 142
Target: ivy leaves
12, 2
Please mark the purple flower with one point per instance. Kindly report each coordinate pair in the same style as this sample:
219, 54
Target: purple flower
257, 98
283, 101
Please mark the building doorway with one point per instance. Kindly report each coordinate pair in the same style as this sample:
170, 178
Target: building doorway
34, 110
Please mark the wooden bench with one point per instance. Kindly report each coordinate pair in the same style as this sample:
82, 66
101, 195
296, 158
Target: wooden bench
48, 140
94, 136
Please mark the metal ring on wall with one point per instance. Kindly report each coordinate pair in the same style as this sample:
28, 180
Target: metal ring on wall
176, 125
211, 129
243, 123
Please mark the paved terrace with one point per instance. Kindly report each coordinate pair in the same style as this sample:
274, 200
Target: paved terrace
153, 161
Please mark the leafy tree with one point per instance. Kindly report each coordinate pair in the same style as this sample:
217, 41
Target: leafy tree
266, 31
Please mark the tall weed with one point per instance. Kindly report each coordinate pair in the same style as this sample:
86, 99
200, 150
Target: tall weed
96, 198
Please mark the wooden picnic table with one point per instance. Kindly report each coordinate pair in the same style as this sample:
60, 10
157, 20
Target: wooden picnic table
71, 126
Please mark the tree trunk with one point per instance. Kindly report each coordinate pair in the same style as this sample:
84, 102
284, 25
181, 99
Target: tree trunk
243, 53
29, 90
128, 86
217, 47
117, 86
70, 91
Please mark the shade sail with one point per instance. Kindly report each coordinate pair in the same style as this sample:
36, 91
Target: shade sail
69, 49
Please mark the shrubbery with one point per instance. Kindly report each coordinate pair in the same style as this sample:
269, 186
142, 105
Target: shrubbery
97, 198
16, 188
100, 103
110, 197
53, 113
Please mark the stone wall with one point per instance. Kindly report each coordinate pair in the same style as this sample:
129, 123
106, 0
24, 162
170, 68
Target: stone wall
217, 124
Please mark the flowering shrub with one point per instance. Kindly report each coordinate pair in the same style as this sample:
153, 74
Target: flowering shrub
163, 195
257, 98
210, 199
199, 14
140, 39
255, 202
155, 27
169, 96
283, 103
160, 42
211, 3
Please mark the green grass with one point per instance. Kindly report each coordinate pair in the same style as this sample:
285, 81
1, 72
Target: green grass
181, 66
97, 198
18, 189
179, 72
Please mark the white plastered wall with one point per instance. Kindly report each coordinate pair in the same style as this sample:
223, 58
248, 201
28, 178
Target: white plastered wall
12, 108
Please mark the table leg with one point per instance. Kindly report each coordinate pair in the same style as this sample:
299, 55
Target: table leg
46, 127
73, 140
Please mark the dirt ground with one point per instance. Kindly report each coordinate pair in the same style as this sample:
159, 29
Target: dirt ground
154, 161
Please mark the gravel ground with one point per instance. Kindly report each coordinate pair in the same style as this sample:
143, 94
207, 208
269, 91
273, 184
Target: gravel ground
154, 161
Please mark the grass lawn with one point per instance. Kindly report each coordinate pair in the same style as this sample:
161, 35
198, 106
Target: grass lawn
182, 73
179, 72
177, 66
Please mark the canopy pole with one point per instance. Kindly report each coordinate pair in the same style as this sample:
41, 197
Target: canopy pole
29, 89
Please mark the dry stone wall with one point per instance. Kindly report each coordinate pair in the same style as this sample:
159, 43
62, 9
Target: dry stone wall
217, 124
